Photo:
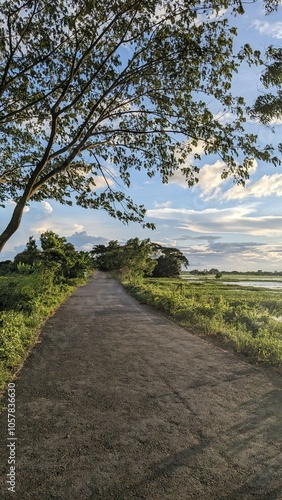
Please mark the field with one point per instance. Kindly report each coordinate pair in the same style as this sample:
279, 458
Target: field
250, 318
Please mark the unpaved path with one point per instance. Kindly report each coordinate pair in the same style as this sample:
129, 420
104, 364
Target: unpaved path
118, 402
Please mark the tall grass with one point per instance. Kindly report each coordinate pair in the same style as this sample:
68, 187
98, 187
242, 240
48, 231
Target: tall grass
249, 317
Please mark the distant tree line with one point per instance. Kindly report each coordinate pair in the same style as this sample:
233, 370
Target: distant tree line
218, 273
134, 259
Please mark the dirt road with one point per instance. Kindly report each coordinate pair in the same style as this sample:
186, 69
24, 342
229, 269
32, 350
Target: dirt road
118, 402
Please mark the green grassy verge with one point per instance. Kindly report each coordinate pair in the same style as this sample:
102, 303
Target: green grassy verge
26, 302
250, 317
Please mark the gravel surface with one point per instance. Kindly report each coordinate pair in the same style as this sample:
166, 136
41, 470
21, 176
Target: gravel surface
118, 402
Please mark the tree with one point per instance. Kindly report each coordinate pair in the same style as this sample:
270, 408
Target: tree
6, 267
138, 259
29, 255
169, 262
268, 106
60, 255
81, 266
108, 257
213, 270
133, 260
56, 254
85, 85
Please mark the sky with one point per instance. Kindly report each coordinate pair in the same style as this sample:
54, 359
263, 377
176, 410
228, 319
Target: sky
216, 224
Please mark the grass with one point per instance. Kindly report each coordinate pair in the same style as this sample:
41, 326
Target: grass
251, 318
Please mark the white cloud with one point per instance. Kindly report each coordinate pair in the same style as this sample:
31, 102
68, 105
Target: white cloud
202, 249
271, 29
275, 121
78, 227
210, 177
84, 241
38, 228
162, 205
248, 255
224, 117
268, 185
183, 213
87, 247
210, 180
179, 179
233, 220
101, 182
46, 207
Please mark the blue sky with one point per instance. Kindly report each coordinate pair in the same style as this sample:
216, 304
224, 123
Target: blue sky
216, 223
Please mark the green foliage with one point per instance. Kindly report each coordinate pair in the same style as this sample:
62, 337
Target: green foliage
108, 257
250, 318
29, 255
57, 255
14, 337
138, 258
268, 106
6, 267
133, 259
169, 261
86, 84
29, 293
23, 268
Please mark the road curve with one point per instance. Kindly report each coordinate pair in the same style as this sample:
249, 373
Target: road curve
118, 402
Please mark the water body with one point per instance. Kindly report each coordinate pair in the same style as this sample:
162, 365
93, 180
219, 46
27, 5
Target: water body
274, 285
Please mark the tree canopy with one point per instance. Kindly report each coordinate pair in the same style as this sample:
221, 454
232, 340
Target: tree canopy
169, 261
268, 105
91, 90
138, 258
133, 259
56, 255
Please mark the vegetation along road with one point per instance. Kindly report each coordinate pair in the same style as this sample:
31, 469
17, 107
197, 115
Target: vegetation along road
118, 402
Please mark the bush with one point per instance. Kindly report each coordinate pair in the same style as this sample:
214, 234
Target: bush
13, 337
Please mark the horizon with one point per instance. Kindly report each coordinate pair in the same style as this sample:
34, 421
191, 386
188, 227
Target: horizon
103, 241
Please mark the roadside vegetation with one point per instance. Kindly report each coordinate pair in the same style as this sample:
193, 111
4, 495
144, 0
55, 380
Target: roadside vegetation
32, 287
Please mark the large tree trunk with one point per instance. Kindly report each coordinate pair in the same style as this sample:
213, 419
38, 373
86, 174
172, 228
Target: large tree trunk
13, 224
19, 208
